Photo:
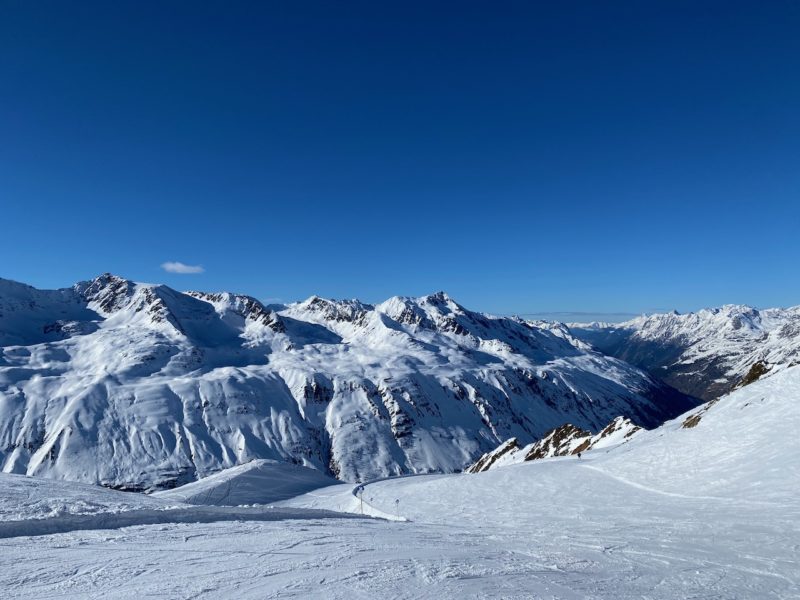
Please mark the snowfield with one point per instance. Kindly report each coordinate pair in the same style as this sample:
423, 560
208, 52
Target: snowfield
703, 507
256, 482
35, 498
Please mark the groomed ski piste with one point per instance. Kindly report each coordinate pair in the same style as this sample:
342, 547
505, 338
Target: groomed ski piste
705, 506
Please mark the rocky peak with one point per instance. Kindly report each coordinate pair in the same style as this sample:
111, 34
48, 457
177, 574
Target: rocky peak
565, 440
108, 292
561, 441
405, 311
486, 461
246, 307
443, 303
340, 311
439, 297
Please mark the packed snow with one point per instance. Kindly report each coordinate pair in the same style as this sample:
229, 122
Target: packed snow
257, 482
36, 498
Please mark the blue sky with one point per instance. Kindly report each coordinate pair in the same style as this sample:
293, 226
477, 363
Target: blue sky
525, 157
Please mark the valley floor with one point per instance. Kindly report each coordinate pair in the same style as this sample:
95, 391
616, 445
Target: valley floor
558, 528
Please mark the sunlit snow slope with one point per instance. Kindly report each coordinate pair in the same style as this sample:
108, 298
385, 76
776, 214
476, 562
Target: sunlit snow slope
256, 482
743, 445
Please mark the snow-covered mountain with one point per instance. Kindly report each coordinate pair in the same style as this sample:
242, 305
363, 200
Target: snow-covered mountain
138, 386
703, 354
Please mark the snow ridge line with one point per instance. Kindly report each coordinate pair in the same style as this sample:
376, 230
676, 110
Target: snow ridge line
198, 514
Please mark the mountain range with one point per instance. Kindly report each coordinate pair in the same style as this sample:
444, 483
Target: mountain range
141, 387
706, 353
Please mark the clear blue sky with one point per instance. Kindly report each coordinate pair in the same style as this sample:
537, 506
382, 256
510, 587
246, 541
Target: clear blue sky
523, 156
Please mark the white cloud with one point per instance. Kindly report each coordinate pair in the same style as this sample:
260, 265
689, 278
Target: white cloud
179, 267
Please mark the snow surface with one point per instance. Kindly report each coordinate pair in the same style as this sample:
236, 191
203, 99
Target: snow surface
140, 387
37, 498
257, 482
705, 511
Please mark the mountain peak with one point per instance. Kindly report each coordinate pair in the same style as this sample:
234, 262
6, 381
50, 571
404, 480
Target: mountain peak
109, 292
353, 311
247, 307
439, 297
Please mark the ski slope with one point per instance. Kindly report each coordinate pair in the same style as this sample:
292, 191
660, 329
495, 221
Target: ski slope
706, 511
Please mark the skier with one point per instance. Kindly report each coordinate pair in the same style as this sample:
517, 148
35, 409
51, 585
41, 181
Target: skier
579, 455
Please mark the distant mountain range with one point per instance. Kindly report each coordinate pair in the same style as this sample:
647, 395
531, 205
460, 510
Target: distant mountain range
705, 353
139, 386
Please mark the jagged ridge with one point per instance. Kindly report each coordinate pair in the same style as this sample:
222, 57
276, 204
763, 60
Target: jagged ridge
565, 440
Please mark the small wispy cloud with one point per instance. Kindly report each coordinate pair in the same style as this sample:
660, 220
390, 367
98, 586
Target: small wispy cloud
181, 269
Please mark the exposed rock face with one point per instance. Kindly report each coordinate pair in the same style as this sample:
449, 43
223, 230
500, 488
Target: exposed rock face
486, 461
138, 386
565, 440
703, 354
343, 311
560, 441
108, 292
694, 418
758, 370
